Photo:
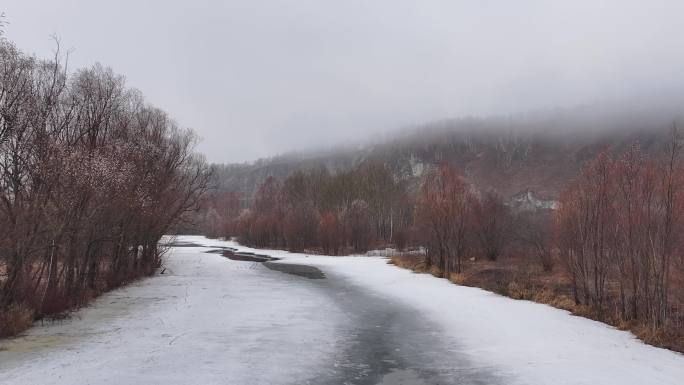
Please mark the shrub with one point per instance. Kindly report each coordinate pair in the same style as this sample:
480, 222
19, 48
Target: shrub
15, 319
458, 278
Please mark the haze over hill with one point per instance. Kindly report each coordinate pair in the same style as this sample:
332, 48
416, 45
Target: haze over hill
256, 79
537, 152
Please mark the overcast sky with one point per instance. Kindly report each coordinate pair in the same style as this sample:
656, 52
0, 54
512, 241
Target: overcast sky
257, 78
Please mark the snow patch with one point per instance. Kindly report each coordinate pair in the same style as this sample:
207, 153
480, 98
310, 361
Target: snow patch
526, 201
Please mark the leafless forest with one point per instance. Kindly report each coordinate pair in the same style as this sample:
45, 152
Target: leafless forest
91, 176
609, 248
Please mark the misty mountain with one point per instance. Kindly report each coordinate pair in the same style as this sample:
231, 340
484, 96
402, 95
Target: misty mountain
525, 158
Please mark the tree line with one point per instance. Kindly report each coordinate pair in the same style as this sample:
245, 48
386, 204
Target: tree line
348, 211
91, 176
619, 229
615, 233
366, 208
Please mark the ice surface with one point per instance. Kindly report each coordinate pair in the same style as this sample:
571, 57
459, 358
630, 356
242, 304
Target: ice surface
210, 320
206, 320
531, 343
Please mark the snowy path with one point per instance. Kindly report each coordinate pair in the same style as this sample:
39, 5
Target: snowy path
209, 320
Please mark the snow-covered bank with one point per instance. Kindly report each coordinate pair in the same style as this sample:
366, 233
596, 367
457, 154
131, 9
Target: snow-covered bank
534, 343
206, 320
210, 320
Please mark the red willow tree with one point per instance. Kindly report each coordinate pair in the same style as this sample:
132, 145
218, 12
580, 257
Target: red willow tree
366, 207
492, 222
353, 210
587, 229
619, 225
217, 214
444, 212
90, 178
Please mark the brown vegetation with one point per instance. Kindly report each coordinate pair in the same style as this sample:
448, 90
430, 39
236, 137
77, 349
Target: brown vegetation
90, 178
609, 249
444, 212
619, 227
518, 277
347, 212
616, 236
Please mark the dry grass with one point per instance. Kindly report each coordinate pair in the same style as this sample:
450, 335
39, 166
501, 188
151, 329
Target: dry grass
435, 271
458, 278
56, 305
669, 336
410, 262
522, 279
518, 291
15, 319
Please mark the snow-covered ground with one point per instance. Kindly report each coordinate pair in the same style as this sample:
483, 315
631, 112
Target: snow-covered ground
209, 320
206, 320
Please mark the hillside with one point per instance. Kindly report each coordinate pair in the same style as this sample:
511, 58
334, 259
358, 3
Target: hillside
528, 157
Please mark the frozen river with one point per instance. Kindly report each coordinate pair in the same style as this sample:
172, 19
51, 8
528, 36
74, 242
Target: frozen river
350, 320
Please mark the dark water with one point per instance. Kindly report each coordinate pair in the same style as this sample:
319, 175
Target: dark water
387, 342
288, 268
245, 256
181, 244
384, 341
299, 270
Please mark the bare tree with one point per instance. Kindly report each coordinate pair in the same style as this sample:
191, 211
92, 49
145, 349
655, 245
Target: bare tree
90, 178
444, 210
492, 222
534, 229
